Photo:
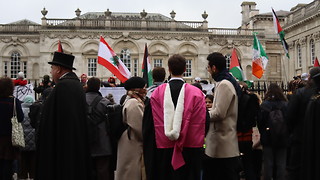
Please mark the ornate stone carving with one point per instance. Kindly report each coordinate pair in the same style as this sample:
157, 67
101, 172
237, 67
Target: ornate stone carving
303, 41
317, 36
115, 36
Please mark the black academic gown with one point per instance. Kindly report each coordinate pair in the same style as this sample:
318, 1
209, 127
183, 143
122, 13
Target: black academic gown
311, 141
62, 148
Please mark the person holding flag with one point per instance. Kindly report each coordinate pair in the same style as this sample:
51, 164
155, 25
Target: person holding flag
108, 58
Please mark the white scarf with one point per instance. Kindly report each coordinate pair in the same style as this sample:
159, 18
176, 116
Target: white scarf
173, 117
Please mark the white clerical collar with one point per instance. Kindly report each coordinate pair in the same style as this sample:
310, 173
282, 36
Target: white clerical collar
176, 78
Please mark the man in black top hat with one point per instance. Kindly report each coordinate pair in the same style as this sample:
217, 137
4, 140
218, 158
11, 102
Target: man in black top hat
62, 146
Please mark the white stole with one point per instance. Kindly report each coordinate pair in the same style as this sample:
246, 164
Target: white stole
173, 117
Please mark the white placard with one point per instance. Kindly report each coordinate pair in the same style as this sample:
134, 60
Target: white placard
117, 92
21, 92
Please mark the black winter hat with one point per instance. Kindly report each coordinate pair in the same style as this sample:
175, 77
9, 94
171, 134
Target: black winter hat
62, 59
134, 82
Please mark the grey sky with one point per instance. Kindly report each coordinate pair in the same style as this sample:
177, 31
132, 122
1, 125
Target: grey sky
222, 13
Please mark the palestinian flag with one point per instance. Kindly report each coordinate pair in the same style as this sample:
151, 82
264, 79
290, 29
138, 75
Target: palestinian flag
108, 58
260, 59
279, 31
235, 67
146, 67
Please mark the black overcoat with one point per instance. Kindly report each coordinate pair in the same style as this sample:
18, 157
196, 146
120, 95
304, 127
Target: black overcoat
62, 149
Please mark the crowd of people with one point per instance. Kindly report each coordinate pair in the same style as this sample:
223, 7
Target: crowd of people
170, 130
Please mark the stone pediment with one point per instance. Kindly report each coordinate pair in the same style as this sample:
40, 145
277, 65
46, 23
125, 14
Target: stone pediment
24, 22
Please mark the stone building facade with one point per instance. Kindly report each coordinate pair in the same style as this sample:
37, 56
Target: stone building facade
28, 46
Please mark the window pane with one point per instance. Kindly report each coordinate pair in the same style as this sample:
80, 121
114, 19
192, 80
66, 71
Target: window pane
92, 67
312, 50
15, 64
135, 67
188, 68
228, 58
299, 56
157, 63
125, 57
6, 69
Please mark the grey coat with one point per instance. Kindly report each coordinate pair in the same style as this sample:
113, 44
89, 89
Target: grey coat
28, 130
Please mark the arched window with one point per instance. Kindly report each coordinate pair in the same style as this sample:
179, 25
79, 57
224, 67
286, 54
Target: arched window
16, 65
312, 51
126, 58
299, 56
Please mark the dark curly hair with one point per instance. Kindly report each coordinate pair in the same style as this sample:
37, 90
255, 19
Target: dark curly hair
6, 87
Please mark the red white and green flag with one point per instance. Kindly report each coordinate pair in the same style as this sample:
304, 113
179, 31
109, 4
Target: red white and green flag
146, 67
260, 58
235, 67
108, 58
60, 47
316, 63
280, 32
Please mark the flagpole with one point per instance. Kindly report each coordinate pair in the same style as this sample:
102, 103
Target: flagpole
284, 68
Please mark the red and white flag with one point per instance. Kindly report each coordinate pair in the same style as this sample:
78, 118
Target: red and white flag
108, 58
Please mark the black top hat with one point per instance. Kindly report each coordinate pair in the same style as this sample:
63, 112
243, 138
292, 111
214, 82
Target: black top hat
64, 60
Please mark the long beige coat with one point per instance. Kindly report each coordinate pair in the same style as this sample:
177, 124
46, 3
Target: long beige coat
222, 140
130, 163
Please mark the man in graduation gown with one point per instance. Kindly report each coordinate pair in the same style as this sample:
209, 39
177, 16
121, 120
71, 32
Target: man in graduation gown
62, 147
179, 114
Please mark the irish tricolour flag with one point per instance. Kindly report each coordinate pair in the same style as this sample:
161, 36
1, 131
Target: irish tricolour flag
235, 67
108, 58
260, 59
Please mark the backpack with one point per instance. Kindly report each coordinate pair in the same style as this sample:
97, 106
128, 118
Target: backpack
276, 126
94, 118
248, 109
35, 114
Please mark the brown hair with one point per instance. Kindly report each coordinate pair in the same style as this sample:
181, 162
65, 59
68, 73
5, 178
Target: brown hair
6, 87
158, 74
177, 64
275, 93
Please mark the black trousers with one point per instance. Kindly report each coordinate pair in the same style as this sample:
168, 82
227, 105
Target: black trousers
102, 168
190, 171
6, 169
221, 168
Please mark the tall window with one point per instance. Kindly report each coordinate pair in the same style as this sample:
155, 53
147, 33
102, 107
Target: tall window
126, 58
135, 67
6, 68
15, 64
299, 56
157, 63
92, 66
188, 68
228, 59
312, 51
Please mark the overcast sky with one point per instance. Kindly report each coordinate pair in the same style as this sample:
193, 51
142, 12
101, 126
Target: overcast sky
222, 13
